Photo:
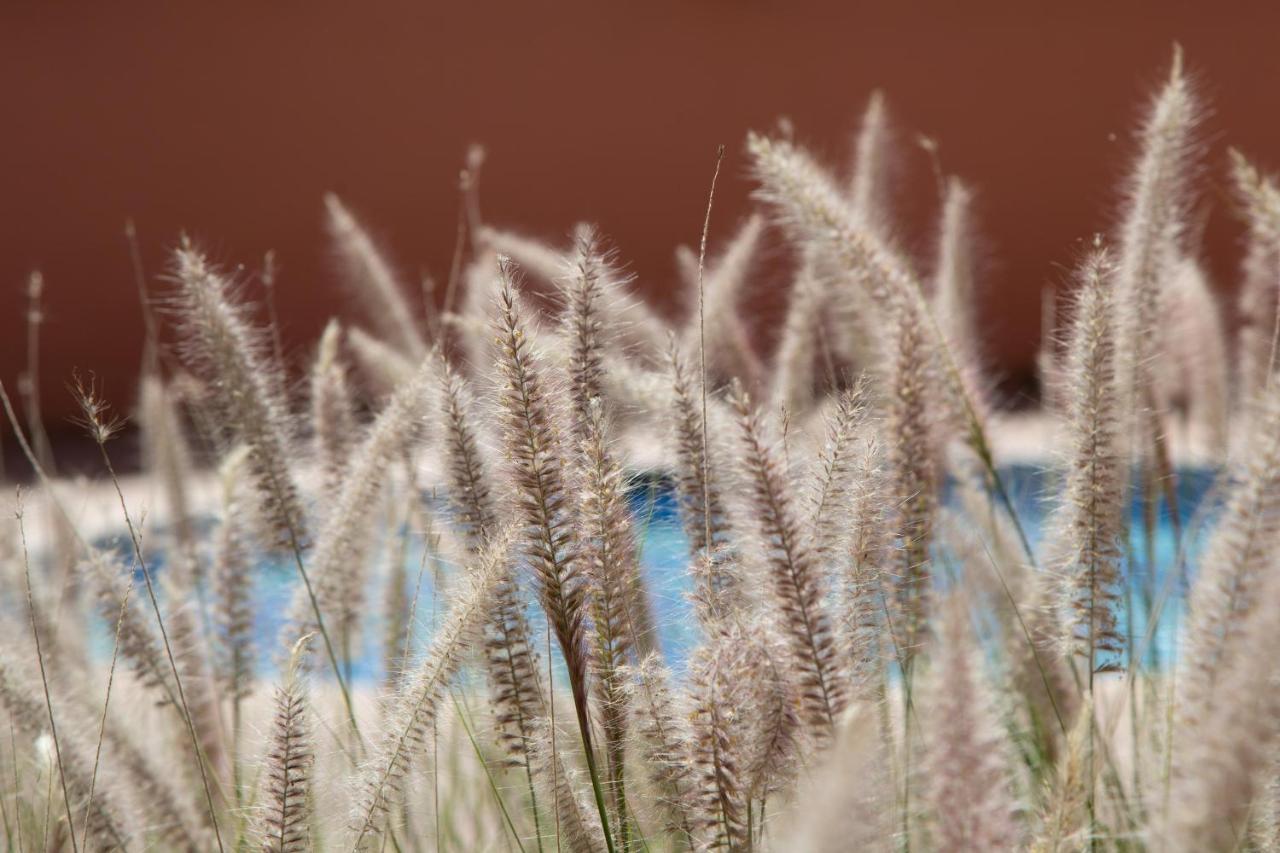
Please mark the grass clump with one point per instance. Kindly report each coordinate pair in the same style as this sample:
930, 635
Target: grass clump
886, 656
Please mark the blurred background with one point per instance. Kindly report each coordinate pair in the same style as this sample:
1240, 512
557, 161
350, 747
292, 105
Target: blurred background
229, 122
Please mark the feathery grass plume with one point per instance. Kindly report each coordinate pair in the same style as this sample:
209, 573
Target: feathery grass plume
267, 277
33, 621
633, 323
860, 581
533, 435
697, 493
1264, 823
38, 450
843, 315
193, 397
851, 328
282, 822
662, 733
1199, 355
1222, 752
584, 327
632, 386
470, 325
29, 379
718, 751
232, 581
720, 593
412, 710
234, 603
333, 422
1154, 223
777, 735
340, 562
794, 572
534, 430
384, 368
138, 644
811, 210
869, 185
95, 415
955, 288
852, 333
62, 642
111, 827
469, 189
578, 826
619, 605
396, 607
1064, 824
795, 361
368, 273
161, 804
726, 334
831, 476
968, 782
912, 473
686, 259
843, 805
1259, 198
619, 599
1048, 360
468, 479
191, 656
167, 457
543, 262
516, 692
220, 345
1085, 549
1234, 565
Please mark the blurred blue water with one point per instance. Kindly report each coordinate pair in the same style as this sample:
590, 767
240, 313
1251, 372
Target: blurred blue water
664, 556
1157, 572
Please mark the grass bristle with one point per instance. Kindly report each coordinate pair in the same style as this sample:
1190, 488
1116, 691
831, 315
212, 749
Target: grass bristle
221, 345
284, 820
797, 583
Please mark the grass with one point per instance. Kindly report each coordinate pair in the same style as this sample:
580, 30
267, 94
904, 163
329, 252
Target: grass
888, 653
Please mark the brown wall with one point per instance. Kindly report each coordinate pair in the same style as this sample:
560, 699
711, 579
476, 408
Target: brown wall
231, 120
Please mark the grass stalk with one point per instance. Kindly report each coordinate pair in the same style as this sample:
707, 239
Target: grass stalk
44, 676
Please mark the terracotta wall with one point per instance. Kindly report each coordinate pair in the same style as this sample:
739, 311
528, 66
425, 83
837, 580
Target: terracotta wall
231, 120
